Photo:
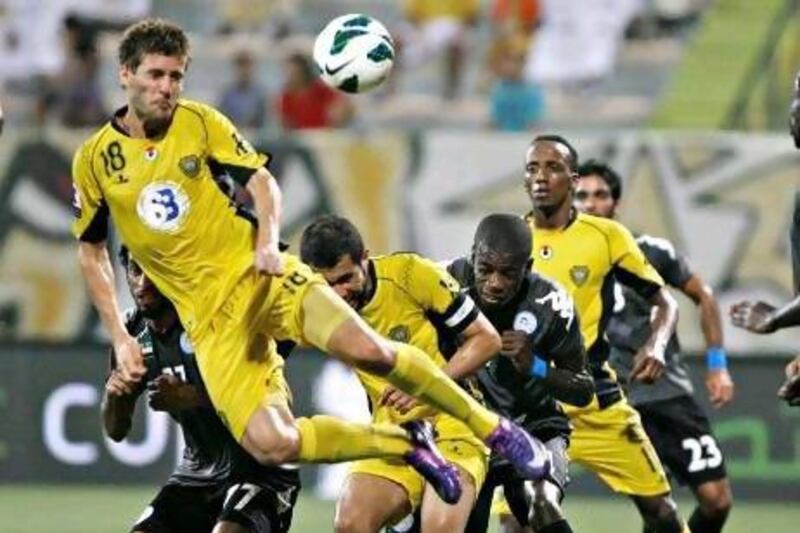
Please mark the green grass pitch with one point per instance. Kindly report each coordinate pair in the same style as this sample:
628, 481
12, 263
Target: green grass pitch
44, 509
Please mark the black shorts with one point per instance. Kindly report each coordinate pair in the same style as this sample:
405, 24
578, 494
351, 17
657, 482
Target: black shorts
501, 473
190, 509
682, 437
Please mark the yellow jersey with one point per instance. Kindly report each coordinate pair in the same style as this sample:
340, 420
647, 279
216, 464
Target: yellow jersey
586, 257
167, 207
417, 302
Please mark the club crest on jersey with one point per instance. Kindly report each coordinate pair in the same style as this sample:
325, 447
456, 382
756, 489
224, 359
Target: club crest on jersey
545, 252
579, 274
186, 344
525, 321
190, 165
162, 206
400, 334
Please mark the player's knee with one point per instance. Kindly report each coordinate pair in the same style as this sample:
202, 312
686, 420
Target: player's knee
348, 520
717, 501
280, 447
666, 516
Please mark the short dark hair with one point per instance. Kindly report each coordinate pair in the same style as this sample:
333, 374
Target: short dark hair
594, 167
553, 138
151, 36
505, 234
327, 239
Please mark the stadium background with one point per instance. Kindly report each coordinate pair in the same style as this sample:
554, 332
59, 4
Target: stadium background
691, 110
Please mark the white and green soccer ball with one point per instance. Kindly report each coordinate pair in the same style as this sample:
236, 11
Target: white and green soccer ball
354, 53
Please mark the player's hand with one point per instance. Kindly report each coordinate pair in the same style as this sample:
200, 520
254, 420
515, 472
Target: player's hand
516, 345
130, 362
116, 387
790, 390
169, 393
398, 400
720, 387
268, 260
753, 316
648, 365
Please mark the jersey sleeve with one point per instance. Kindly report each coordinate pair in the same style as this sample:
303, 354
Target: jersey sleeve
228, 151
89, 209
440, 295
630, 266
672, 266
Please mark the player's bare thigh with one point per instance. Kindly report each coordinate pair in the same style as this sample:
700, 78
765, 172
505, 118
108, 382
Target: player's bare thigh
440, 517
357, 510
272, 435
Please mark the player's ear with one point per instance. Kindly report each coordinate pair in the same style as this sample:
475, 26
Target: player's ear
124, 76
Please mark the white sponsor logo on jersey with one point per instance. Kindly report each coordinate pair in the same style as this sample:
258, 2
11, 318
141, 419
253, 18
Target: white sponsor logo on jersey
163, 206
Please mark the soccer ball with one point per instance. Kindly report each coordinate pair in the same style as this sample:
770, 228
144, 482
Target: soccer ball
354, 53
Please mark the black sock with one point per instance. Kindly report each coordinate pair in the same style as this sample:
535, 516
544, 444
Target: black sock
702, 523
562, 526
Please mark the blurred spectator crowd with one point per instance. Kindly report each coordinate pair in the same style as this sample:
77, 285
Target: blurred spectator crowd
485, 63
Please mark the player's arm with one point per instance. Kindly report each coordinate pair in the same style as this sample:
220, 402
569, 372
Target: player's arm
90, 227
567, 378
266, 194
229, 152
118, 404
763, 318
632, 269
99, 275
718, 379
480, 342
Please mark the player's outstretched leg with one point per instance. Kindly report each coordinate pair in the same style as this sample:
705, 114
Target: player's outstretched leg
274, 436
331, 325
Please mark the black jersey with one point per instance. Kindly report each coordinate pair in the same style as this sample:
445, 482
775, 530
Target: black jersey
629, 327
546, 313
211, 455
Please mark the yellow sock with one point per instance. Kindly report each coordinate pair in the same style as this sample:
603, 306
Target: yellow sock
327, 439
416, 374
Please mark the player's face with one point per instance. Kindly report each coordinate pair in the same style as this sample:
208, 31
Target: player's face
154, 87
498, 276
149, 301
593, 196
548, 177
348, 279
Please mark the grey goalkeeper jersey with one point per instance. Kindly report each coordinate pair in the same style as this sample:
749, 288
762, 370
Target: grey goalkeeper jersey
629, 327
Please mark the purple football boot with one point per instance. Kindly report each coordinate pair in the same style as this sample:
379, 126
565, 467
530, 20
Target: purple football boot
528, 455
426, 459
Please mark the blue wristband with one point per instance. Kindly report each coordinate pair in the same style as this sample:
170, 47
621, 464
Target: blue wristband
716, 359
538, 368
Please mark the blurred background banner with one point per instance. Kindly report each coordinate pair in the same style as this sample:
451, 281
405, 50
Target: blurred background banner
50, 403
723, 199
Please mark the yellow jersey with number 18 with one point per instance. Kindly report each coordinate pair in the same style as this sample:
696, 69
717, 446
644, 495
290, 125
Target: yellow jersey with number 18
586, 257
167, 207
